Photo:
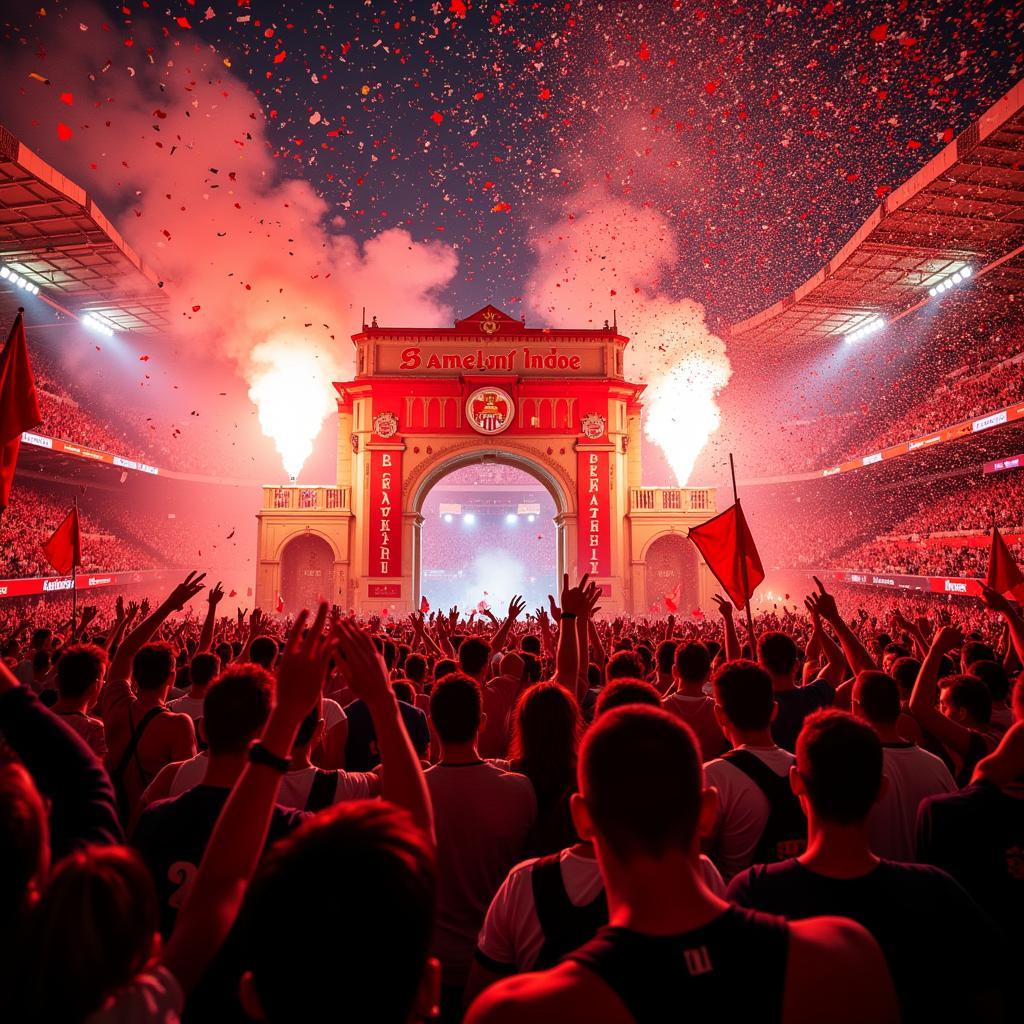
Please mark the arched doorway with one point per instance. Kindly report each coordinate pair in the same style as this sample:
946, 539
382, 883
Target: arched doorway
307, 572
488, 528
671, 571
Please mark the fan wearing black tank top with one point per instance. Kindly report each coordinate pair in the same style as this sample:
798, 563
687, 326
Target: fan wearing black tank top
672, 948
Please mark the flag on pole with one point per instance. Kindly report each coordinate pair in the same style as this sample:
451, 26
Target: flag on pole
64, 549
671, 600
19, 404
720, 540
424, 605
1004, 575
279, 604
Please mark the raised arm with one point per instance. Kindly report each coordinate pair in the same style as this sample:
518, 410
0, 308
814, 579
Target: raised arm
83, 810
924, 697
206, 633
567, 656
238, 838
824, 604
121, 666
1014, 621
364, 671
515, 608
732, 643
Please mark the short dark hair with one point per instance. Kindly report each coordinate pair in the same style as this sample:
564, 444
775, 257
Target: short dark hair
969, 694
777, 652
530, 643
840, 761
994, 676
153, 666
640, 773
878, 696
263, 651
743, 690
236, 706
904, 671
203, 668
445, 667
976, 650
455, 708
41, 636
624, 665
80, 666
665, 655
473, 655
380, 845
693, 662
621, 692
416, 668
404, 690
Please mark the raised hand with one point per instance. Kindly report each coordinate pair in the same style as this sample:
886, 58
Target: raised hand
216, 594
993, 600
574, 600
303, 666
725, 607
556, 612
241, 613
591, 595
133, 610
823, 603
185, 591
947, 639
361, 665
516, 607
89, 613
119, 607
144, 607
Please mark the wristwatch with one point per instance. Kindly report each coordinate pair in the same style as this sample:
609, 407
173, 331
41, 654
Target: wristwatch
258, 754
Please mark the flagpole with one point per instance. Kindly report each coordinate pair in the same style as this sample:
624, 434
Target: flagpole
74, 588
743, 557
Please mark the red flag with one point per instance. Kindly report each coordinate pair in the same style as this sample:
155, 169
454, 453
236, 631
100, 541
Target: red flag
279, 606
424, 605
1003, 573
19, 405
671, 600
64, 549
720, 541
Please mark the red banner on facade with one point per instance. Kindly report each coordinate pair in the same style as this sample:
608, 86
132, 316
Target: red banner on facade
595, 513
384, 537
28, 586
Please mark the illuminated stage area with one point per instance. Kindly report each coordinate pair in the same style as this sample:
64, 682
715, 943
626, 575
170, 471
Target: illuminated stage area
427, 407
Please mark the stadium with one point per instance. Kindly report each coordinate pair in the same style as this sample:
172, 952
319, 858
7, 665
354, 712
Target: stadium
511, 512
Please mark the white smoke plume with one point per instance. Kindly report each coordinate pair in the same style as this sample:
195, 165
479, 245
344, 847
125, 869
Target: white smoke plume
175, 148
611, 254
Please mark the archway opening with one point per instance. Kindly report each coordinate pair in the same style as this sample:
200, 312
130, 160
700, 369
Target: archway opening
671, 565
307, 572
488, 532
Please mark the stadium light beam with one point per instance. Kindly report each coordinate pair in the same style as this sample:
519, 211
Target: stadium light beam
15, 278
447, 517
958, 277
511, 519
95, 323
469, 519
872, 326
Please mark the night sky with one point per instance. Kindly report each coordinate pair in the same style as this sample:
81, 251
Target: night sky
765, 132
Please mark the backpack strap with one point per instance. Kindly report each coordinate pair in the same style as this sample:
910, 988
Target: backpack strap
130, 752
322, 791
565, 926
785, 831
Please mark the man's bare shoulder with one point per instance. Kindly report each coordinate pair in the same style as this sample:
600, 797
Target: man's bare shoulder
562, 995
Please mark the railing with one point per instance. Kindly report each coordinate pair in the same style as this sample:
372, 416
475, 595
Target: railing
672, 499
315, 498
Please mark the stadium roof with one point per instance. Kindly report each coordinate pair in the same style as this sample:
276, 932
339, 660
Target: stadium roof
54, 235
965, 207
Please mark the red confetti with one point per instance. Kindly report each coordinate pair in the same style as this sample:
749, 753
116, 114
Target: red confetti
64, 132
436, 117
143, 359
68, 98
458, 8
879, 32
710, 87
279, 57
184, 23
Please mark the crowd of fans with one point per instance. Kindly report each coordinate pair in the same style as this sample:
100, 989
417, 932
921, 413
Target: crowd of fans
969, 507
506, 818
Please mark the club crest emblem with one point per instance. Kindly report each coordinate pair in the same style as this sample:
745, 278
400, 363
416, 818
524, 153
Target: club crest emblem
490, 410
385, 424
593, 426
489, 322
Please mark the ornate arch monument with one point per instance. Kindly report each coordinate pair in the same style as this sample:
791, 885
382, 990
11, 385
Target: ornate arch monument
427, 401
